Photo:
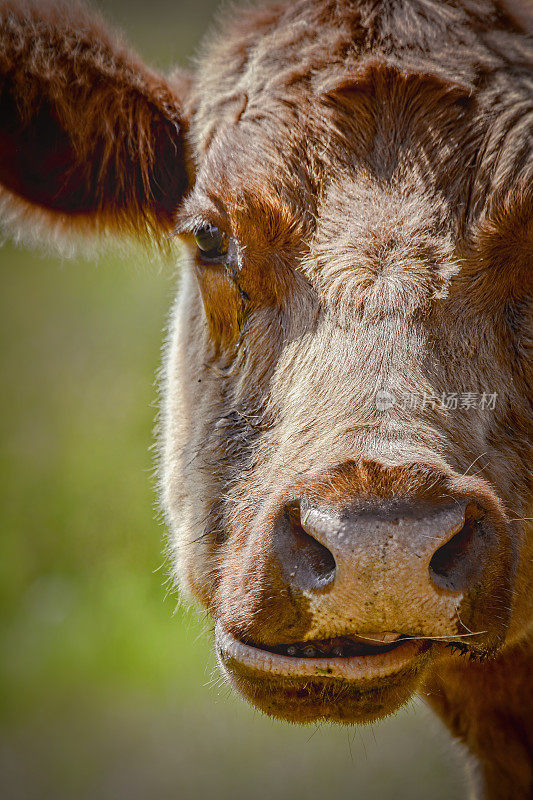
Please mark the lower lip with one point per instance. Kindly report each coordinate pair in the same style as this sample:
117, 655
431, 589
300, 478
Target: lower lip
354, 668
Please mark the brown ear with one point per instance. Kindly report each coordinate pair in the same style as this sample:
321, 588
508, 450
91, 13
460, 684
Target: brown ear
90, 139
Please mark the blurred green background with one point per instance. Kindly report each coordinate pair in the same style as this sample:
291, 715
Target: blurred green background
106, 690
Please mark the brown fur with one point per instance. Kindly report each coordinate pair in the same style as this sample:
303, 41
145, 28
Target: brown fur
371, 162
85, 129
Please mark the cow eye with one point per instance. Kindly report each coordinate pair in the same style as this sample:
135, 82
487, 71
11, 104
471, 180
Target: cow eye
212, 242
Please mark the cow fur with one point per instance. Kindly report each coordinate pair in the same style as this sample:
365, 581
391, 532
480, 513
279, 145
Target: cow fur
371, 163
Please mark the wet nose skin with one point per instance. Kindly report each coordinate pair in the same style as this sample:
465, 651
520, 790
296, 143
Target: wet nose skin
403, 568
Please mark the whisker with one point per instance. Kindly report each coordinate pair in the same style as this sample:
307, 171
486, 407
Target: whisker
467, 628
473, 462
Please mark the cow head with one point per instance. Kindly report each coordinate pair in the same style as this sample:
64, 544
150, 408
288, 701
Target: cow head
348, 402
347, 409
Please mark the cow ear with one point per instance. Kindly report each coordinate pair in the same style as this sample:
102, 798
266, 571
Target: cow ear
91, 140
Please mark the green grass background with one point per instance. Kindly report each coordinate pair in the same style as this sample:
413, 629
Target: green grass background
106, 691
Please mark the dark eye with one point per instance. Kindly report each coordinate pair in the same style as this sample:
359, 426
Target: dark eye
212, 242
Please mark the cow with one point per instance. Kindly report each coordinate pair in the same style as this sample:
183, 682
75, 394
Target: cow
347, 408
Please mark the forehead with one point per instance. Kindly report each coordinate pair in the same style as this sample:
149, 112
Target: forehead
266, 61
292, 49
337, 149
299, 97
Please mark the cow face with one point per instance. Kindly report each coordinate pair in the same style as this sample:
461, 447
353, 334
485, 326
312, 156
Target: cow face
347, 410
348, 417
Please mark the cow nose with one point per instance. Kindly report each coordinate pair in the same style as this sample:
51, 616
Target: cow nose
388, 557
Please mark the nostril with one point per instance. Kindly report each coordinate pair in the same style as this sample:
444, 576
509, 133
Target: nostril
310, 562
457, 564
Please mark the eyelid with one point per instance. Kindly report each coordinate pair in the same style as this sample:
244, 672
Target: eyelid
195, 213
190, 226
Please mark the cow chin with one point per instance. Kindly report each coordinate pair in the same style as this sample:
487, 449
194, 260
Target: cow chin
305, 690
305, 701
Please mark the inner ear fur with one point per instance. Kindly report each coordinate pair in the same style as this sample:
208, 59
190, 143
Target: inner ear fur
90, 138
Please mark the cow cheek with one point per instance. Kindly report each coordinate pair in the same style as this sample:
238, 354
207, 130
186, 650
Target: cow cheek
186, 487
520, 623
224, 309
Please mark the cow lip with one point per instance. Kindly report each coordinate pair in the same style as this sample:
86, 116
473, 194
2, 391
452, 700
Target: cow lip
360, 668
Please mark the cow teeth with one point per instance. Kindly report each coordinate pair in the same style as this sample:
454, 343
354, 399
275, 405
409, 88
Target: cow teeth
338, 647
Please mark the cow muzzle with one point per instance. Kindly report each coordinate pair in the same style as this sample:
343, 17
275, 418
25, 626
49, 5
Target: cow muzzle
397, 567
384, 583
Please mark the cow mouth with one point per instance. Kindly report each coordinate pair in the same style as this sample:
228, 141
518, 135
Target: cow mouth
361, 658
346, 679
